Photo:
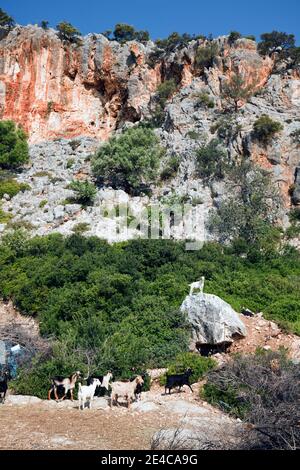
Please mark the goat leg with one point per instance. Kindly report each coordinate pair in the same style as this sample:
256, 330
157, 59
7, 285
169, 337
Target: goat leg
71, 391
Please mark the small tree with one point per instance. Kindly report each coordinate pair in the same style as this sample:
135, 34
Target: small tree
236, 90
270, 42
6, 21
265, 128
44, 24
14, 150
130, 160
68, 32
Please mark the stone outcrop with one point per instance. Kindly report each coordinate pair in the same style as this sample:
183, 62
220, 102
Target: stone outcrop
213, 321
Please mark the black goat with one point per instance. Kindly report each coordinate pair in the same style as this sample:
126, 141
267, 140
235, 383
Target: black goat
178, 380
3, 386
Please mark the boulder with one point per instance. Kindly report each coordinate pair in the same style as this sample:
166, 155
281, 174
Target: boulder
213, 320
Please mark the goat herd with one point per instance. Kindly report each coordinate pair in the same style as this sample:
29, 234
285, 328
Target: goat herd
130, 390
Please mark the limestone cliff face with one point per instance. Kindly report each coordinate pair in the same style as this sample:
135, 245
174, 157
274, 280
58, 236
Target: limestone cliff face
58, 90
61, 90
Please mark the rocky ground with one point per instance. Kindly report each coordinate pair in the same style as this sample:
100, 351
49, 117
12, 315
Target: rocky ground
31, 423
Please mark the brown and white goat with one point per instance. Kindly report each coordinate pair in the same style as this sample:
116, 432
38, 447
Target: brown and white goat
67, 383
125, 389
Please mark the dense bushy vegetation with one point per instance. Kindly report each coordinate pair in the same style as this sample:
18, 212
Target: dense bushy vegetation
117, 307
264, 391
280, 42
129, 161
13, 146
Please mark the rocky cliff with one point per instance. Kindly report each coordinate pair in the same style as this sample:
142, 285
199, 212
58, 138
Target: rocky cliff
57, 90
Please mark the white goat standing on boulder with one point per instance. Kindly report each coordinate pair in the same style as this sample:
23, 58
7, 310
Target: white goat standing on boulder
86, 393
197, 285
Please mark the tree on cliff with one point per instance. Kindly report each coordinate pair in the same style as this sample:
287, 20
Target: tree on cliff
6, 21
130, 160
13, 145
68, 32
276, 42
248, 216
124, 32
236, 90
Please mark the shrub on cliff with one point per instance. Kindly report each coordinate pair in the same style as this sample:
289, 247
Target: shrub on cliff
14, 150
68, 32
265, 128
206, 55
6, 21
176, 41
129, 161
84, 190
212, 161
233, 37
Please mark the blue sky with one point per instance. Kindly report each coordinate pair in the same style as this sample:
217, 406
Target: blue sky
161, 17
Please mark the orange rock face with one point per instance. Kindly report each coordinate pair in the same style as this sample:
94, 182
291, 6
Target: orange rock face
60, 90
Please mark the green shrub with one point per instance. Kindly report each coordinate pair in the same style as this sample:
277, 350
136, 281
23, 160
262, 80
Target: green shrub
13, 145
212, 160
84, 190
233, 37
4, 216
164, 91
226, 129
176, 41
124, 32
70, 163
204, 100
130, 161
265, 128
199, 365
81, 227
12, 187
171, 168
193, 135
206, 55
43, 203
